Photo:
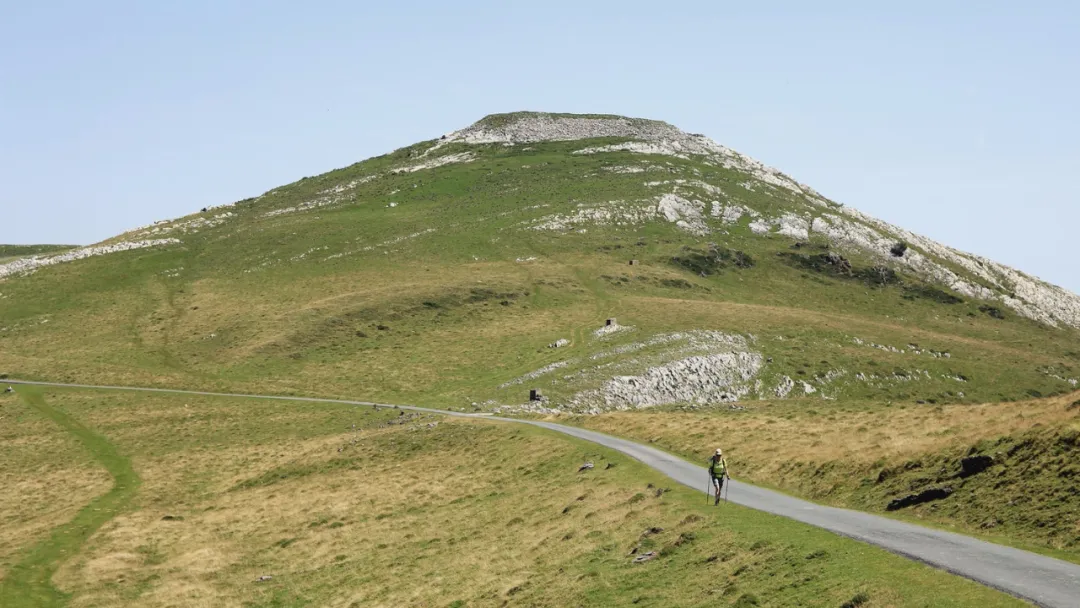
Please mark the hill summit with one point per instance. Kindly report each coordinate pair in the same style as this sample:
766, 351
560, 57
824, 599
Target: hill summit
606, 262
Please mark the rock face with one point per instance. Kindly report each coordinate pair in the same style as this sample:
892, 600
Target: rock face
533, 127
700, 379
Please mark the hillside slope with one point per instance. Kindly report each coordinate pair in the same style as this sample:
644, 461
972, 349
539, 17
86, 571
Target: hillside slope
444, 271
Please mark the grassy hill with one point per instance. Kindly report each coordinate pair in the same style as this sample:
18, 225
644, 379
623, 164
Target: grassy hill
444, 270
463, 271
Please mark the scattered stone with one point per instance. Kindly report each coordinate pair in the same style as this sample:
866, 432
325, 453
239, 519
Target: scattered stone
536, 373
703, 379
611, 326
652, 531
920, 498
610, 465
172, 518
264, 578
585, 467
28, 265
560, 343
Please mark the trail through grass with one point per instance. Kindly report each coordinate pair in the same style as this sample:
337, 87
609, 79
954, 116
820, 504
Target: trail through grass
29, 582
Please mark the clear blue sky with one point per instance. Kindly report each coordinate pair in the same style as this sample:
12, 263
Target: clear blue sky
957, 120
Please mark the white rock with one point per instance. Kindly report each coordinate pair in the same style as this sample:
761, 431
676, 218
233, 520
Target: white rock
439, 161
784, 388
28, 265
547, 369
716, 378
687, 215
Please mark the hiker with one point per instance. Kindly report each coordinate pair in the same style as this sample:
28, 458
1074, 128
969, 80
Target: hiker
718, 471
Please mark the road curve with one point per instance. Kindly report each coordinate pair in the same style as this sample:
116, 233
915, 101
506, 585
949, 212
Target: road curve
1042, 580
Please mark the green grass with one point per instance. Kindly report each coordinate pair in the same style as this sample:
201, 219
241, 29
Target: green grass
448, 294
28, 582
463, 510
283, 311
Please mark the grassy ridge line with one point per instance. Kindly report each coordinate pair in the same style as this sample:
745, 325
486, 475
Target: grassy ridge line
28, 583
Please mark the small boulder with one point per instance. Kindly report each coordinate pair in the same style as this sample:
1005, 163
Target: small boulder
585, 467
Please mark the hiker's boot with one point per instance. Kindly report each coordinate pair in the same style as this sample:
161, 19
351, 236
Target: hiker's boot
717, 500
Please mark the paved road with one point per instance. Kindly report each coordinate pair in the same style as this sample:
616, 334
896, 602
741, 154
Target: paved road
1041, 580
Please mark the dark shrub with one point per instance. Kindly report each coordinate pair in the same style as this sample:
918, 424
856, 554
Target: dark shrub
898, 250
879, 276
712, 261
826, 263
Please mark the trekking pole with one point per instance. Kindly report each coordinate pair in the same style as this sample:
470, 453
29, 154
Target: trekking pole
708, 492
727, 486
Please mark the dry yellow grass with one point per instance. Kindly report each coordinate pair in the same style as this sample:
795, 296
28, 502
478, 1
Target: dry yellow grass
430, 511
46, 478
865, 457
775, 435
